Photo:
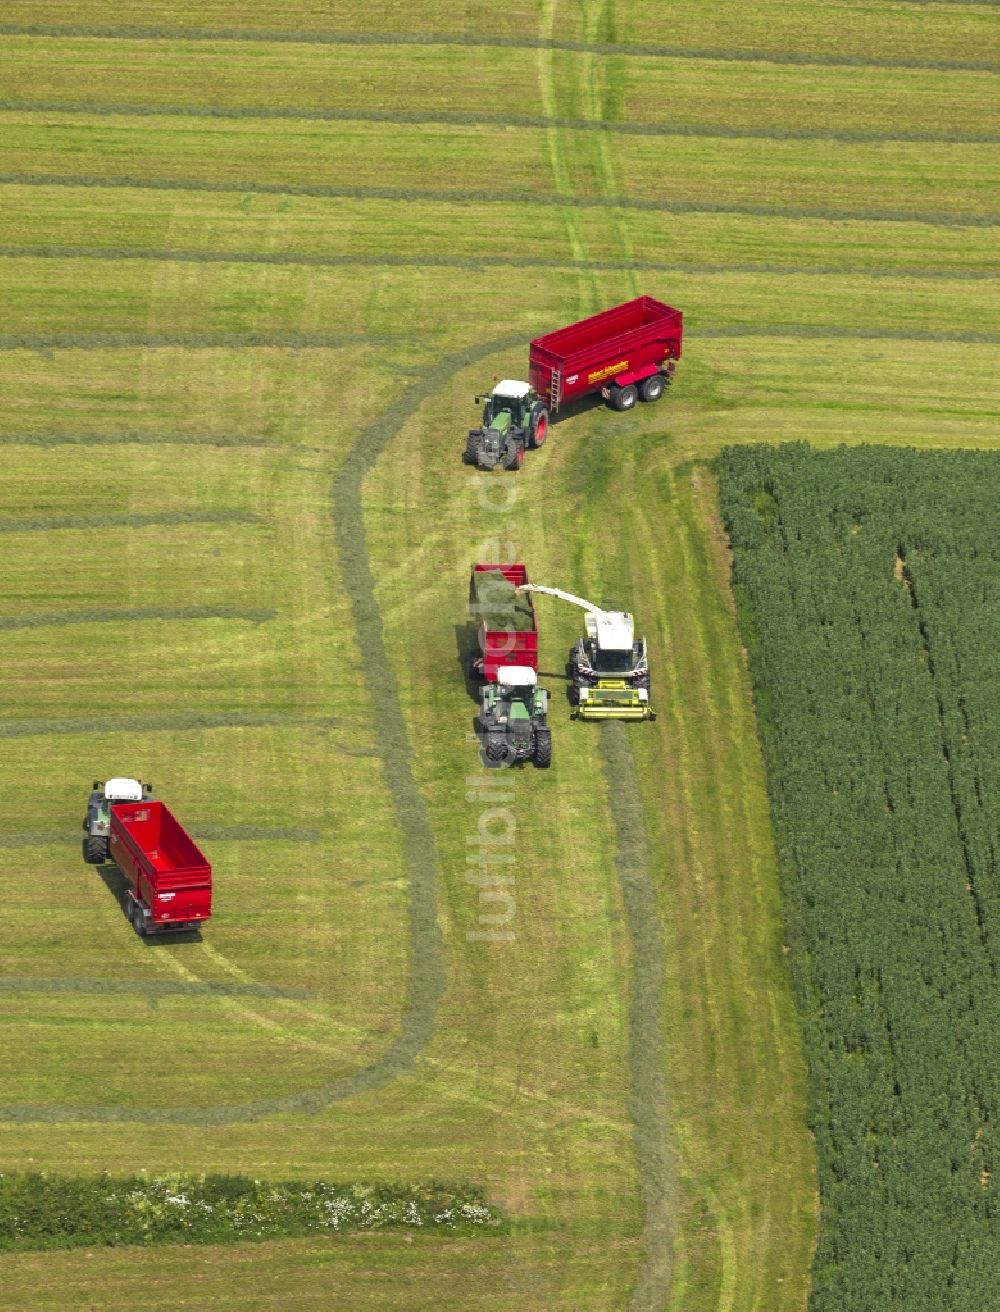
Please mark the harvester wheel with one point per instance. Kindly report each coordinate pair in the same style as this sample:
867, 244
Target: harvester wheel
652, 387
624, 398
538, 427
473, 446
543, 748
96, 850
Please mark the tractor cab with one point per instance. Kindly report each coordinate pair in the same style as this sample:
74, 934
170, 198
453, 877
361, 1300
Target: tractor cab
511, 398
610, 646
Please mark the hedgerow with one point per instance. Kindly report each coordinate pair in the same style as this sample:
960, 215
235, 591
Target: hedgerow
47, 1211
868, 587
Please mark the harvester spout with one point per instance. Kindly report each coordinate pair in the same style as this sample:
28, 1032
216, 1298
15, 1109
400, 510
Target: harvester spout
563, 596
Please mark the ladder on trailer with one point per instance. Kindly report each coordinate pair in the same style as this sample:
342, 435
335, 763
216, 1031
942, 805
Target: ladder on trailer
555, 390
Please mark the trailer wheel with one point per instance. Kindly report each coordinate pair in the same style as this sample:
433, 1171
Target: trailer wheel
624, 398
543, 748
139, 921
652, 387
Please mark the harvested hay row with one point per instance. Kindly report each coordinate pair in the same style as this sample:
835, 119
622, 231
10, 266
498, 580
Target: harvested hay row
466, 197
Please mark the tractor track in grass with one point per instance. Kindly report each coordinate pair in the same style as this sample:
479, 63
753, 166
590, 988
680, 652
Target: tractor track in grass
627, 50
648, 1105
473, 197
427, 966
133, 614
163, 518
456, 118
315, 260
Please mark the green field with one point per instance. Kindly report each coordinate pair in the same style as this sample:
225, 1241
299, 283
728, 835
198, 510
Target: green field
255, 264
868, 582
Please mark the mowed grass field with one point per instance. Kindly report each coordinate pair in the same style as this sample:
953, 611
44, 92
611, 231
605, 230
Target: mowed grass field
255, 265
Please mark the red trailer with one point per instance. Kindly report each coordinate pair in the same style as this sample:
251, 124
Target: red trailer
170, 880
507, 631
624, 353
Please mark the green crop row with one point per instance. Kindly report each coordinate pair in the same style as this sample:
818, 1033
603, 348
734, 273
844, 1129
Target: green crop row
868, 586
42, 1211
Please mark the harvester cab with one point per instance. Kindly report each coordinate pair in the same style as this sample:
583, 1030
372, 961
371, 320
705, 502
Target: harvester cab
513, 718
514, 418
97, 824
608, 668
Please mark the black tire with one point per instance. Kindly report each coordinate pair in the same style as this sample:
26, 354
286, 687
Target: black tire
515, 459
472, 448
494, 750
538, 427
138, 921
543, 748
653, 387
96, 850
624, 398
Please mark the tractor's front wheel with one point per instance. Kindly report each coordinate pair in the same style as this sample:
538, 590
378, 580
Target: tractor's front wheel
624, 398
495, 750
515, 458
96, 851
473, 446
543, 748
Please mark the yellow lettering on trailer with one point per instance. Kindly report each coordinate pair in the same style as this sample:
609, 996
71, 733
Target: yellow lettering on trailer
610, 369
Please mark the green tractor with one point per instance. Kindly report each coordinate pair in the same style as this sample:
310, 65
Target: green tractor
512, 717
514, 418
97, 825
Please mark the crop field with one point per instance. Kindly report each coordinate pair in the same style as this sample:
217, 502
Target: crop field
255, 263
869, 583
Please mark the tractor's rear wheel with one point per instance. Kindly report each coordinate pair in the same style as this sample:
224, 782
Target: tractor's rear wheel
624, 398
543, 748
96, 850
652, 387
539, 427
